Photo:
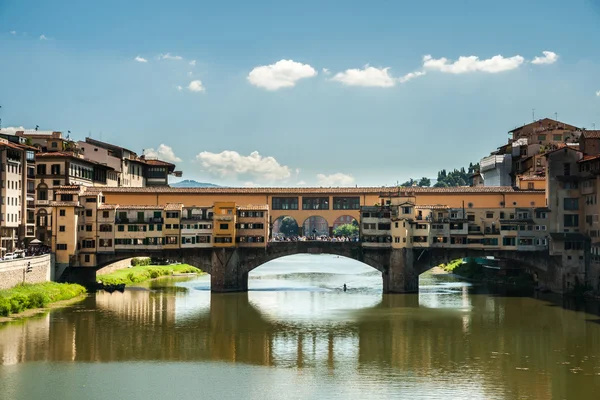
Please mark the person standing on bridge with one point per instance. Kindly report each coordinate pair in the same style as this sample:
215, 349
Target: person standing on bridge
344, 287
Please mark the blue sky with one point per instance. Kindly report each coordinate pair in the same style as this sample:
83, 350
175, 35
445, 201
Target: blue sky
309, 93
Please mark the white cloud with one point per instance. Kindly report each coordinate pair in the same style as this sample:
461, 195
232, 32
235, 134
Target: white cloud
163, 152
338, 179
196, 86
473, 64
193, 63
13, 32
326, 71
169, 56
282, 74
366, 77
190, 73
598, 93
410, 76
231, 164
179, 87
250, 184
550, 57
43, 37
11, 130
301, 183
140, 59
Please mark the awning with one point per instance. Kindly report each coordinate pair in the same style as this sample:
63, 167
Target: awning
30, 198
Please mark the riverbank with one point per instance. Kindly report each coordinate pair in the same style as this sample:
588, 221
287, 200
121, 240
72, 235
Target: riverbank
23, 300
471, 271
129, 276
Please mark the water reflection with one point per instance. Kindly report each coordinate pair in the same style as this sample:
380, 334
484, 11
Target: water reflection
447, 340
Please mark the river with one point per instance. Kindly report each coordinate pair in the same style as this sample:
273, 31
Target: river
297, 335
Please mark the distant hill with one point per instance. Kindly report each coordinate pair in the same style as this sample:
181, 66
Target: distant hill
188, 183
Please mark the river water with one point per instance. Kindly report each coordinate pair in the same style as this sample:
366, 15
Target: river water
297, 335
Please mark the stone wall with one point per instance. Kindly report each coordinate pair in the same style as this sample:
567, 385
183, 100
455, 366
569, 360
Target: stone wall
13, 272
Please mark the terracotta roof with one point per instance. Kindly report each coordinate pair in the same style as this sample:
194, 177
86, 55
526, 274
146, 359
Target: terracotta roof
68, 190
595, 134
589, 158
432, 207
64, 204
260, 207
18, 146
156, 162
173, 206
545, 121
532, 178
107, 206
384, 191
69, 154
102, 144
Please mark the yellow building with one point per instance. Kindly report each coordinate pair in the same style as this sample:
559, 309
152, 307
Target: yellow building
224, 224
252, 228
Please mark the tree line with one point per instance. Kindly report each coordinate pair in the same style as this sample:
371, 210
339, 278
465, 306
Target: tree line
457, 177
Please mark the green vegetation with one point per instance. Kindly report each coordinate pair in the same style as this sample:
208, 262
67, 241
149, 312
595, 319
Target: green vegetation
142, 273
471, 270
458, 177
347, 229
288, 226
141, 261
25, 297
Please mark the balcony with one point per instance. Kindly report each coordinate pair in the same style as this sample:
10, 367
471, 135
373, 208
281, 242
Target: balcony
195, 218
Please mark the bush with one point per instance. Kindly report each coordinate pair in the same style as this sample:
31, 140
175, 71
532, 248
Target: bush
140, 261
25, 296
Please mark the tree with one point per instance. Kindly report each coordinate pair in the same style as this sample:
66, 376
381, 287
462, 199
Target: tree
346, 230
424, 182
288, 226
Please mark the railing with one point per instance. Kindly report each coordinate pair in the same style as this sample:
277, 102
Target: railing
153, 220
196, 218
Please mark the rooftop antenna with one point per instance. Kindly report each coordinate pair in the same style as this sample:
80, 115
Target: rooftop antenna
37, 127
593, 125
533, 114
556, 116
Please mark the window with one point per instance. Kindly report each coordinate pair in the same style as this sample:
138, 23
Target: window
540, 214
105, 243
172, 240
56, 182
104, 227
105, 214
61, 228
62, 213
41, 169
224, 226
571, 204
384, 227
42, 193
346, 203
285, 203
121, 228
61, 246
88, 244
570, 185
540, 227
573, 245
530, 186
471, 217
88, 228
87, 258
489, 214
172, 214
55, 169
541, 138
223, 240
557, 137
66, 197
315, 203
406, 210
91, 200
571, 220
566, 169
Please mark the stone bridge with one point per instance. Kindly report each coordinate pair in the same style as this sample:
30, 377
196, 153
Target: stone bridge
400, 268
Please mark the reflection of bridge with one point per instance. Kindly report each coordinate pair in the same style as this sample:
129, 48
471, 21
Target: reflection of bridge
397, 335
400, 268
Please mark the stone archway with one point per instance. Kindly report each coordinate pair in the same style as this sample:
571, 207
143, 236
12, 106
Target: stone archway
285, 227
316, 225
350, 221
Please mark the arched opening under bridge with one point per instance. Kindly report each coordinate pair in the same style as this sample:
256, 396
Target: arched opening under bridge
346, 226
